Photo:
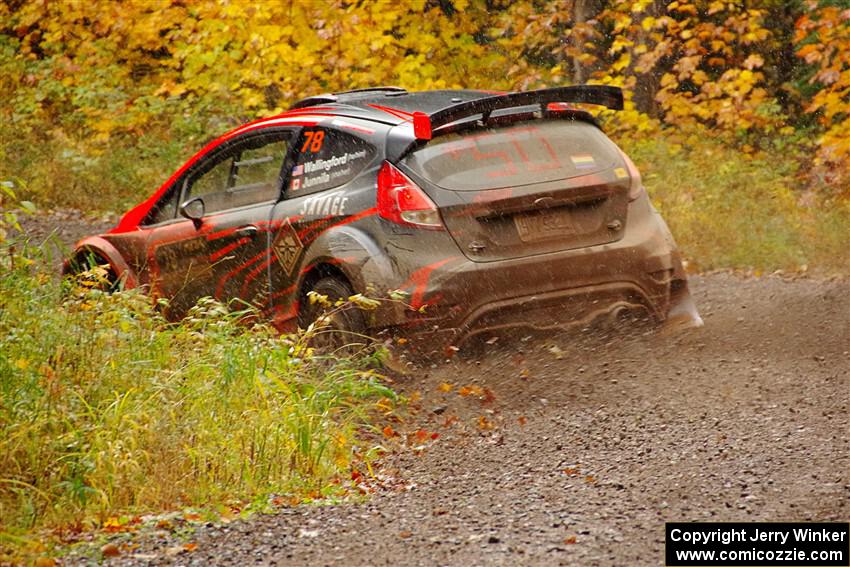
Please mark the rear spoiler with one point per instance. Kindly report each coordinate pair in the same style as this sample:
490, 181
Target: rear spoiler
602, 95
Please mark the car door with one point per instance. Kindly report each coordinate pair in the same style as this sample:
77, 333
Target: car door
324, 161
222, 253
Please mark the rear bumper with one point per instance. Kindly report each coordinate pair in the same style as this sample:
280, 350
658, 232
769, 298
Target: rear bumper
642, 270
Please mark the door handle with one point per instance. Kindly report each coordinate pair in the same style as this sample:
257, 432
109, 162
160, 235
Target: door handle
249, 231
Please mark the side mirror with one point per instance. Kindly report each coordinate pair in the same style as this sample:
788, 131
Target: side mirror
194, 211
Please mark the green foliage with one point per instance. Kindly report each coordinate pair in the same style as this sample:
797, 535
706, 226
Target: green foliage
105, 407
729, 209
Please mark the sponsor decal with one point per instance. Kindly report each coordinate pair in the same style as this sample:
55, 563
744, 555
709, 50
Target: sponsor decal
334, 161
295, 185
583, 161
621, 173
298, 170
332, 204
287, 247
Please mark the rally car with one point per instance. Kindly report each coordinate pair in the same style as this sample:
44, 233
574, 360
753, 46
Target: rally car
482, 210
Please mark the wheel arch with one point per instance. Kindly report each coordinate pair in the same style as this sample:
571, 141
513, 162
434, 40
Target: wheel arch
103, 250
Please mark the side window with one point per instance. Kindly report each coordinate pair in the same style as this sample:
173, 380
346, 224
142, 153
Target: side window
211, 185
326, 159
242, 173
245, 172
256, 170
166, 208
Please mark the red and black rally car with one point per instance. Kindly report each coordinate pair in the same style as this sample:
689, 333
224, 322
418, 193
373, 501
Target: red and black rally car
492, 209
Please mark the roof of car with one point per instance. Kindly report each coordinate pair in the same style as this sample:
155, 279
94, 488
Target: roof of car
387, 104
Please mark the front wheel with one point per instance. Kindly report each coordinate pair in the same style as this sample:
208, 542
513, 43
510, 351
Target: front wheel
346, 325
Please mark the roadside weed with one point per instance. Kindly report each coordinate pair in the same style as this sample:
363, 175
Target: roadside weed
105, 407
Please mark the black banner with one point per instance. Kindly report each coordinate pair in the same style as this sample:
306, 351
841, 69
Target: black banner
757, 543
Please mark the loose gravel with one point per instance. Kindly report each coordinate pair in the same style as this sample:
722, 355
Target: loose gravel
582, 446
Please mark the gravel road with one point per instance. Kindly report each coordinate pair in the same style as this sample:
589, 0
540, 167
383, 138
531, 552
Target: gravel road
596, 441
583, 445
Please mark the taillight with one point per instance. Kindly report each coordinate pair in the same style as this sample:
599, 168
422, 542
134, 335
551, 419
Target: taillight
402, 202
636, 188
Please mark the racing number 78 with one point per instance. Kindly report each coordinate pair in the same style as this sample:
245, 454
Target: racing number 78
313, 141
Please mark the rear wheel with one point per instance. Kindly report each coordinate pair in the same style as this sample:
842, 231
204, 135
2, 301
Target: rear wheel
346, 324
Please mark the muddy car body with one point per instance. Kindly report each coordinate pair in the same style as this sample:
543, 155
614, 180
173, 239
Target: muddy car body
489, 210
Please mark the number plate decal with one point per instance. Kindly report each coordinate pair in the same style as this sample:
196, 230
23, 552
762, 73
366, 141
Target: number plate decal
532, 227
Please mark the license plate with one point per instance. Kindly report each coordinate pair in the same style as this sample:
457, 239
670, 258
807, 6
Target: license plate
544, 225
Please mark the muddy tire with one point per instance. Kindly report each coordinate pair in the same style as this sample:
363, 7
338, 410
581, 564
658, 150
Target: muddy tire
347, 326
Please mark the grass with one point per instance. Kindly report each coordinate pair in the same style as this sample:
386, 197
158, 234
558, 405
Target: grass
729, 209
105, 408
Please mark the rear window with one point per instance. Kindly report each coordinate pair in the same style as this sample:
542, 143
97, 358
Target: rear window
515, 155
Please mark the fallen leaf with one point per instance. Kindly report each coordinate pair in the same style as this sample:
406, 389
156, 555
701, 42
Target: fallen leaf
590, 479
421, 435
44, 562
190, 547
525, 374
522, 420
405, 534
570, 540
489, 397
485, 424
164, 525
389, 431
554, 349
118, 525
571, 471
445, 387
470, 391
110, 550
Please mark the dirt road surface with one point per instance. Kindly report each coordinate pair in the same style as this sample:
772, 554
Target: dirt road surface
582, 445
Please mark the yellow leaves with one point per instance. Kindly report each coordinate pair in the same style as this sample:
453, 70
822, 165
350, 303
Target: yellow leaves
640, 5
715, 7
364, 302
170, 88
485, 424
622, 63
620, 43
